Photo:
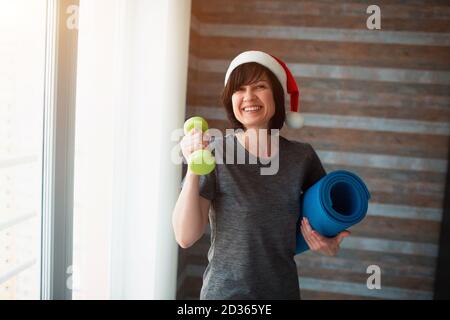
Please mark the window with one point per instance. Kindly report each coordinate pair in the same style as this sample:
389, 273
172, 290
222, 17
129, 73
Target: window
129, 52
22, 65
85, 204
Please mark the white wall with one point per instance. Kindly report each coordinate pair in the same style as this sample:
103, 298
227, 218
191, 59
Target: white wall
131, 91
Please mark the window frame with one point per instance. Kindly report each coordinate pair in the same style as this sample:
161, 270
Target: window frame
58, 152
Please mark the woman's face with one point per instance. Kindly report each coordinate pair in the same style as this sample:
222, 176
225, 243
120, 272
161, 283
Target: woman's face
253, 104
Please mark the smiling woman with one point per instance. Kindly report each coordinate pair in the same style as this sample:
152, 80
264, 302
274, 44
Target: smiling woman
252, 215
253, 84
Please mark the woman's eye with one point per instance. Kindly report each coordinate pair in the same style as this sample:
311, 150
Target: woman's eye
259, 86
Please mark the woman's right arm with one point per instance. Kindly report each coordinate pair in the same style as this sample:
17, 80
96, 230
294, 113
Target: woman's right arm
190, 215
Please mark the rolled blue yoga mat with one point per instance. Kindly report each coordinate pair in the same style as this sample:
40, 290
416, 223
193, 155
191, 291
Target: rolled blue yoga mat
334, 203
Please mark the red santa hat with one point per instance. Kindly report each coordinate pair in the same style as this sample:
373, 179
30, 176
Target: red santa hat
293, 118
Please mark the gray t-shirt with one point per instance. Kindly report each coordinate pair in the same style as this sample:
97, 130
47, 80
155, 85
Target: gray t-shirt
253, 223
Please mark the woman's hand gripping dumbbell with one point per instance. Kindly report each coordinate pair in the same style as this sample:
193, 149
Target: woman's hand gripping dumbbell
200, 160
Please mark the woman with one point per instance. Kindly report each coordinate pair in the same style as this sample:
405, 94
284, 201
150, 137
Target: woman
253, 217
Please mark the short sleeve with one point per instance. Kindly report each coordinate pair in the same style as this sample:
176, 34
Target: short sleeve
314, 171
207, 185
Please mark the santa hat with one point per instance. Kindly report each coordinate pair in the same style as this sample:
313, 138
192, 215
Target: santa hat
293, 118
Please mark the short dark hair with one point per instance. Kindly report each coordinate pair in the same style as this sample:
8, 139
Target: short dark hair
246, 74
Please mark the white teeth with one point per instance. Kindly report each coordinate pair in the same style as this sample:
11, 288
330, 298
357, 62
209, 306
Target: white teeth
255, 108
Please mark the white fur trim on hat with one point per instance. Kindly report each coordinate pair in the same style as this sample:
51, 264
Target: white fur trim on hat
262, 58
294, 120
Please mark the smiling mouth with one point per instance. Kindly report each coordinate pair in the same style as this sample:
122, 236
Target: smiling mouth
251, 109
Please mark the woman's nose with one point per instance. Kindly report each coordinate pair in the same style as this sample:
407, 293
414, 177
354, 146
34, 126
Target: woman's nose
248, 94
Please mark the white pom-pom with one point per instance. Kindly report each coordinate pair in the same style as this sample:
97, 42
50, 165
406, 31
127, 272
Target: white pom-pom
294, 120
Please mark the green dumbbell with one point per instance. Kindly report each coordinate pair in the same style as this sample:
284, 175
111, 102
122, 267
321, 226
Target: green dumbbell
200, 162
